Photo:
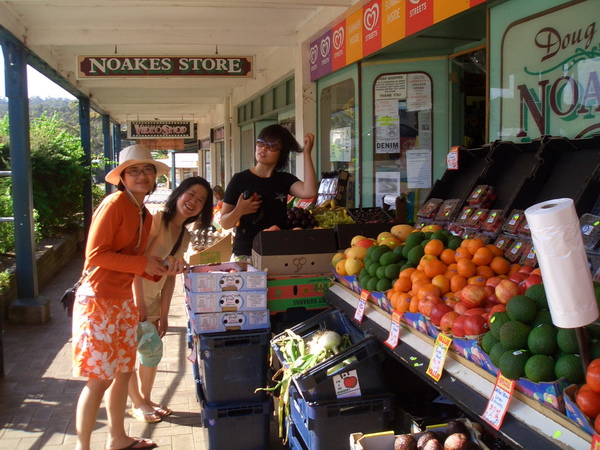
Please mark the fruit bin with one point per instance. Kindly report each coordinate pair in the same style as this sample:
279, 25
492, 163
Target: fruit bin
327, 425
330, 319
363, 376
459, 183
571, 169
232, 365
370, 215
237, 426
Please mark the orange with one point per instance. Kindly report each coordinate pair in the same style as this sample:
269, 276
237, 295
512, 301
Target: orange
475, 244
340, 267
457, 282
482, 256
434, 247
407, 272
500, 265
465, 242
452, 268
403, 284
466, 268
447, 256
514, 268
442, 283
392, 296
403, 302
413, 306
417, 284
434, 267
476, 280
495, 250
417, 274
427, 290
485, 272
462, 253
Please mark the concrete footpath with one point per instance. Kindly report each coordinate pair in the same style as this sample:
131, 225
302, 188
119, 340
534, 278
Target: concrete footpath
38, 394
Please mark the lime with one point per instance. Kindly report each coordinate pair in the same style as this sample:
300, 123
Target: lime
569, 366
538, 295
540, 368
521, 308
513, 335
512, 363
542, 340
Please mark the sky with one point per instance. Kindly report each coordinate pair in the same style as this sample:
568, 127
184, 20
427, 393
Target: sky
37, 84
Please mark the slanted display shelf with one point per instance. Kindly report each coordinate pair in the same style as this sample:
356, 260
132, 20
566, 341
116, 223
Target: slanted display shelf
527, 424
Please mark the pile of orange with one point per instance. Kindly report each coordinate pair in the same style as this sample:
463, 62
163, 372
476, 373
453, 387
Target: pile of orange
443, 272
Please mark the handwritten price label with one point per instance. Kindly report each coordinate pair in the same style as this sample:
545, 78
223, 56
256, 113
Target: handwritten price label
440, 350
392, 340
499, 401
362, 304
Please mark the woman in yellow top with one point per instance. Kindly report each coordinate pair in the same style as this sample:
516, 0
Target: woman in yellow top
190, 203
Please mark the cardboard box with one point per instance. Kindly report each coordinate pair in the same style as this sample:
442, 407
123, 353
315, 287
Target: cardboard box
574, 413
292, 291
229, 321
218, 252
231, 276
227, 301
294, 252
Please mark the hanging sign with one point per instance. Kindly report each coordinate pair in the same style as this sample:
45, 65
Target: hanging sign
157, 129
164, 66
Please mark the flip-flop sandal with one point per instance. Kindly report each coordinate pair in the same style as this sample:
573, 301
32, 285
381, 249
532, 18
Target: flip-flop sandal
138, 441
138, 414
163, 411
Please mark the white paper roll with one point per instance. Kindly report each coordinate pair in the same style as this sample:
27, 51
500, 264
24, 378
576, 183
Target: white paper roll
558, 245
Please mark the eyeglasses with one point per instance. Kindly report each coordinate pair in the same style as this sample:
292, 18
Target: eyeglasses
135, 172
271, 146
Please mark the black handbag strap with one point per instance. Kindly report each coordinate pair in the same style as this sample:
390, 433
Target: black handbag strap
178, 243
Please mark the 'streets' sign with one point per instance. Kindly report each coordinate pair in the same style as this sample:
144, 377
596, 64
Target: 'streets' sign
551, 75
164, 66
152, 129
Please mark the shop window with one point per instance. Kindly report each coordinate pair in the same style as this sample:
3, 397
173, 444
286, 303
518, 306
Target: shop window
403, 135
338, 117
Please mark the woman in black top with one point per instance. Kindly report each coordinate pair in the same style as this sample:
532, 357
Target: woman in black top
268, 187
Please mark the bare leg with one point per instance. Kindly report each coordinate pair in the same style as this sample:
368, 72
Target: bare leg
138, 401
147, 377
88, 406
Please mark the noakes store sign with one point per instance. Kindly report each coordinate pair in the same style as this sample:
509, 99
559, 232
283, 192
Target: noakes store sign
164, 66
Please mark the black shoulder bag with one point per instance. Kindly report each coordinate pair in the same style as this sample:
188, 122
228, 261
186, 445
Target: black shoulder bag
68, 298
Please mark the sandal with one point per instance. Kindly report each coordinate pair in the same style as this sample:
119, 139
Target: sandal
138, 414
140, 443
163, 411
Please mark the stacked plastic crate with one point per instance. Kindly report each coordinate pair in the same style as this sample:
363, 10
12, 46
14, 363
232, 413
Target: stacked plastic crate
229, 332
342, 394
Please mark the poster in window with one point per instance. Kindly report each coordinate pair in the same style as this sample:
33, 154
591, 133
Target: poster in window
386, 183
419, 92
341, 144
418, 164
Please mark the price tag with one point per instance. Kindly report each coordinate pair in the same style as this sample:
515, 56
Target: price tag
499, 401
440, 349
595, 442
362, 304
392, 340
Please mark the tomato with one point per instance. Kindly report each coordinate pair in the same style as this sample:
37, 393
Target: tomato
592, 376
589, 402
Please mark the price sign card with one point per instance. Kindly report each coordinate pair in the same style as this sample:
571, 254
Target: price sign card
362, 304
499, 401
440, 350
392, 340
595, 442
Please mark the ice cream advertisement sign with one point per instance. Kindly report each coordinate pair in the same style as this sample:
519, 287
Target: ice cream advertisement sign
550, 75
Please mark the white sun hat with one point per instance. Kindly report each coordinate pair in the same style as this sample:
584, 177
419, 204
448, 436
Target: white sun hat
134, 154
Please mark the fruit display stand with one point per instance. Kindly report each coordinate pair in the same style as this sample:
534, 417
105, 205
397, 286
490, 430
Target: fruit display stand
527, 424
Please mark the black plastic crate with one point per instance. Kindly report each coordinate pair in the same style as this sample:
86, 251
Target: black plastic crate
330, 319
237, 426
370, 215
328, 425
292, 317
232, 365
364, 374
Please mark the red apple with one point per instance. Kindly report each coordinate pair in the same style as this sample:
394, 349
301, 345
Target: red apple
447, 321
494, 281
473, 295
531, 280
525, 269
458, 326
461, 307
437, 311
474, 311
537, 271
490, 290
366, 243
475, 326
506, 290
489, 303
517, 277
426, 305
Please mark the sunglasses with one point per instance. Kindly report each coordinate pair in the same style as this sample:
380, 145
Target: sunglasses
271, 146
